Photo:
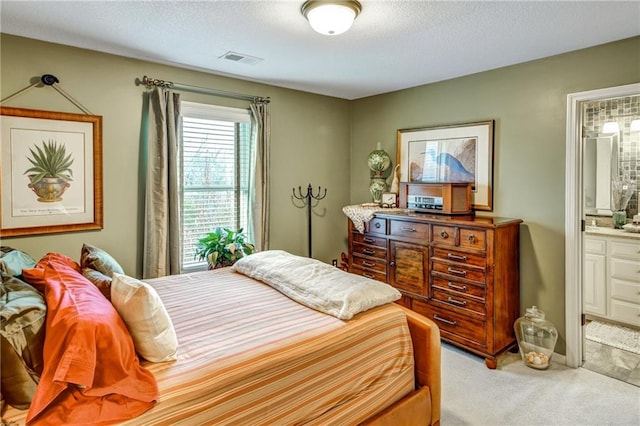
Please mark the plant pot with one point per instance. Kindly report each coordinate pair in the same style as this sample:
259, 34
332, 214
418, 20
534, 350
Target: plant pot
619, 219
49, 190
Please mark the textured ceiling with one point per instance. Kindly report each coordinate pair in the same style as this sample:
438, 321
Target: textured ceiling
393, 44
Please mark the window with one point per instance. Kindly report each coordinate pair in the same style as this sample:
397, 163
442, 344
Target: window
216, 153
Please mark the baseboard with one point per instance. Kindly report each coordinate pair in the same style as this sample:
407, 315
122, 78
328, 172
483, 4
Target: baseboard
559, 358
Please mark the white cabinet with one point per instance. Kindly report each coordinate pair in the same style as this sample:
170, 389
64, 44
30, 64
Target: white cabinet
594, 294
611, 279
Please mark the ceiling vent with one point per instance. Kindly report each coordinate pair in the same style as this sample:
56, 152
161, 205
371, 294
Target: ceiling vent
241, 57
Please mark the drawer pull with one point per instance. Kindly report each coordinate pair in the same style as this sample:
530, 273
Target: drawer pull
456, 271
471, 238
368, 264
456, 302
404, 228
456, 257
444, 234
369, 240
369, 252
446, 321
364, 274
377, 225
457, 287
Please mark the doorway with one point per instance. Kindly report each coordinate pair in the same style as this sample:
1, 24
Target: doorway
575, 213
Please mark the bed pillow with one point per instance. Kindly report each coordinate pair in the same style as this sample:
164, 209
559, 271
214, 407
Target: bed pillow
91, 371
316, 284
146, 317
13, 261
100, 280
98, 259
22, 319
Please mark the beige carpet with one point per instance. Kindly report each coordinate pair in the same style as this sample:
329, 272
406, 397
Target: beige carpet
613, 335
515, 394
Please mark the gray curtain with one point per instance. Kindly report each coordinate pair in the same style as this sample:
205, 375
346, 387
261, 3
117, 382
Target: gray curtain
259, 191
162, 198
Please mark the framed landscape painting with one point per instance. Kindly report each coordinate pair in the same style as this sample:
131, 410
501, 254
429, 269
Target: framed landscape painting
452, 153
51, 166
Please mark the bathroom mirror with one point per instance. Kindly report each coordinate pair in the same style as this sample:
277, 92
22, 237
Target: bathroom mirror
600, 156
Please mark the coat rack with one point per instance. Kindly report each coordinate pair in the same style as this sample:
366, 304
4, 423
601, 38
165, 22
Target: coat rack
308, 199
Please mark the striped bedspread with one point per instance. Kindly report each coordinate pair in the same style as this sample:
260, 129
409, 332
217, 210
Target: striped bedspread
249, 355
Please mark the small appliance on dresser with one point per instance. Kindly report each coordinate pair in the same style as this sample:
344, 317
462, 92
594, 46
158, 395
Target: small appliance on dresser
461, 271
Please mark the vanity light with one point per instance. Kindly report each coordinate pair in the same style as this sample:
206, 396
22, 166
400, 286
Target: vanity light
635, 125
610, 127
331, 17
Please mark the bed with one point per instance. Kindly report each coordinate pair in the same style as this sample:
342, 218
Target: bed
248, 353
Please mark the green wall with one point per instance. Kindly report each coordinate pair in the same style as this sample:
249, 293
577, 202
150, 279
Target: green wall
325, 141
528, 103
309, 137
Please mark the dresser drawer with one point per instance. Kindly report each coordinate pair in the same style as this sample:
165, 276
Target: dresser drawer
376, 225
444, 235
374, 275
459, 257
369, 239
371, 251
367, 263
625, 290
626, 312
474, 239
458, 271
452, 325
625, 269
465, 289
624, 249
418, 231
458, 302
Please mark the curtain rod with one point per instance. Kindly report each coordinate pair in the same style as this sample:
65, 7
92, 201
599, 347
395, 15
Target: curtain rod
151, 82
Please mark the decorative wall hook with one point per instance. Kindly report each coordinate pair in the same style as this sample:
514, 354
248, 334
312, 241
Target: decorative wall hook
308, 199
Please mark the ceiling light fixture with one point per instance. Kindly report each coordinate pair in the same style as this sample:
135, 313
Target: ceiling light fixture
331, 17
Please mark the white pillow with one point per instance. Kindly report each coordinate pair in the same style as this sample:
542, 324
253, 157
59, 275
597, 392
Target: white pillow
146, 318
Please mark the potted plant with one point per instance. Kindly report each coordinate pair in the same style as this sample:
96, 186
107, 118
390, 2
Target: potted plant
51, 171
223, 247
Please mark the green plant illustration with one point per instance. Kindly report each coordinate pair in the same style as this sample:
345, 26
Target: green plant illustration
223, 247
49, 161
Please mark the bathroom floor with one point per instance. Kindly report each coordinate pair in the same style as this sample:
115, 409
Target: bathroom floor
612, 362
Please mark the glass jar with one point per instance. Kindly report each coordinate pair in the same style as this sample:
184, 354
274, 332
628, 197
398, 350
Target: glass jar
536, 338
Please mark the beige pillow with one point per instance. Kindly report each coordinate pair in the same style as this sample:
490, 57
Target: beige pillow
146, 318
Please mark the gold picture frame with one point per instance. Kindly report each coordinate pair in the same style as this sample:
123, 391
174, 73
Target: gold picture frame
36, 143
450, 153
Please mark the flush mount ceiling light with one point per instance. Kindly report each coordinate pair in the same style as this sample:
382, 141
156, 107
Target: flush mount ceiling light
331, 17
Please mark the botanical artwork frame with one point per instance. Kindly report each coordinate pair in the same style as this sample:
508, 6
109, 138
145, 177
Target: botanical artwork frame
450, 153
36, 143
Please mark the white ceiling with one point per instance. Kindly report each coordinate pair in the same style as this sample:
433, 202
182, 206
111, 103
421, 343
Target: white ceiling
392, 45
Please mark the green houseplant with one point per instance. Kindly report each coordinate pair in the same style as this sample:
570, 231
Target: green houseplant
223, 247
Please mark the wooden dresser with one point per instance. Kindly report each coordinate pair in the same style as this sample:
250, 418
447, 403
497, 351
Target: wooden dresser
460, 271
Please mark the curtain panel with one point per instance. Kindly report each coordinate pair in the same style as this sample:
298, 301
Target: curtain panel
162, 227
259, 192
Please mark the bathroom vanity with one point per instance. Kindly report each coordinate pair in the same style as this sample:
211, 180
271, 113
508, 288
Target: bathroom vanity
612, 275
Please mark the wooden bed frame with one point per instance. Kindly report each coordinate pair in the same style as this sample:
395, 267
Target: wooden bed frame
421, 407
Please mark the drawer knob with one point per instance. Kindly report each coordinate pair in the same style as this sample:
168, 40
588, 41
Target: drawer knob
446, 321
471, 238
444, 234
377, 225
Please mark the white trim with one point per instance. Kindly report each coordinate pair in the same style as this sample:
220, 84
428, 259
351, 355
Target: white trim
574, 214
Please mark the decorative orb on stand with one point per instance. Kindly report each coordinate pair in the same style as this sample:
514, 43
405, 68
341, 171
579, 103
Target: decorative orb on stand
379, 161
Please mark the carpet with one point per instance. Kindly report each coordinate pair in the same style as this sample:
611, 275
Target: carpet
613, 335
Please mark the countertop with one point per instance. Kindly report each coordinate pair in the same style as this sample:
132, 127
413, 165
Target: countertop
611, 232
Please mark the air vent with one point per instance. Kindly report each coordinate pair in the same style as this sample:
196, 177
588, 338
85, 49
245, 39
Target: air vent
241, 57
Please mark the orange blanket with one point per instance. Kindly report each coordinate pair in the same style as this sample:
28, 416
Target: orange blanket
91, 371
